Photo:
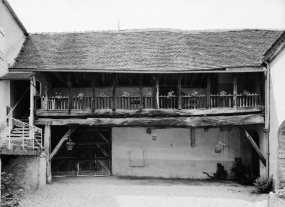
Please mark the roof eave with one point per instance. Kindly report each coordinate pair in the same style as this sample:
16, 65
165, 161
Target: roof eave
275, 49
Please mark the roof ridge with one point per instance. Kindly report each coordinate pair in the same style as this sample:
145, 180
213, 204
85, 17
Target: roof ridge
155, 30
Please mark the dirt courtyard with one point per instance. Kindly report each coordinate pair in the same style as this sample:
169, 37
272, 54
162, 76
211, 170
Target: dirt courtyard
130, 192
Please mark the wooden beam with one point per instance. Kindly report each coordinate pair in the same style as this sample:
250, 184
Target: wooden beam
208, 104
157, 90
93, 92
252, 142
59, 145
140, 91
114, 83
179, 98
234, 90
211, 121
47, 140
60, 79
150, 112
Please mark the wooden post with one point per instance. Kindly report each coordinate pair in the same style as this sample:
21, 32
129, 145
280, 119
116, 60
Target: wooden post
208, 105
69, 94
46, 107
93, 92
235, 90
179, 98
0, 177
262, 88
32, 101
157, 90
47, 140
141, 95
114, 92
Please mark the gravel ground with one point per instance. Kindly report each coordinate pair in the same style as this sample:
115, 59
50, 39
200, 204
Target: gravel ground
130, 192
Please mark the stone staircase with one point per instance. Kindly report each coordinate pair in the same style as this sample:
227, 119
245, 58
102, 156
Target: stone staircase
21, 135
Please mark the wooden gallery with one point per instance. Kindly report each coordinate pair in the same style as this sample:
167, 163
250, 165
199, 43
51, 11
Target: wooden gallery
149, 103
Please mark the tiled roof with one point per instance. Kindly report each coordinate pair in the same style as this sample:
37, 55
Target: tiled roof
145, 50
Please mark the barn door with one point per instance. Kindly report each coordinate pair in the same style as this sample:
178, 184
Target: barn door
94, 152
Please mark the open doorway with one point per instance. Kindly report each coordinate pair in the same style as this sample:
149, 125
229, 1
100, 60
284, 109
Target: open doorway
255, 162
91, 154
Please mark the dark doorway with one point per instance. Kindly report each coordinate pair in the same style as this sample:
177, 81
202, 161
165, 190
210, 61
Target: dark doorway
255, 158
91, 154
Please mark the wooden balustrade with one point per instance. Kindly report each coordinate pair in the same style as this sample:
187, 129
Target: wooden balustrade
253, 99
166, 102
221, 101
194, 102
149, 102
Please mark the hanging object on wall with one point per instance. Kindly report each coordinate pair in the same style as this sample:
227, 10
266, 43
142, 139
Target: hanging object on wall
219, 147
148, 130
154, 136
192, 137
69, 144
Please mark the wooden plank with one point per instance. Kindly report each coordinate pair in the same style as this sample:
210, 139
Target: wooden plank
47, 140
157, 91
208, 104
114, 92
213, 121
93, 92
63, 139
235, 90
255, 147
179, 99
149, 112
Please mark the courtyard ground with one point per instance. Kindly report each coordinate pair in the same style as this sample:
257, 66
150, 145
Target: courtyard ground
131, 192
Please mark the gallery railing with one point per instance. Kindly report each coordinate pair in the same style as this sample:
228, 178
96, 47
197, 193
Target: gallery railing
149, 102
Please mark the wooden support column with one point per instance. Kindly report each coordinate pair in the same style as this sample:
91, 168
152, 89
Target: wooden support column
0, 177
93, 92
208, 91
46, 104
235, 90
141, 94
114, 85
179, 98
262, 88
32, 100
47, 140
255, 147
69, 94
157, 90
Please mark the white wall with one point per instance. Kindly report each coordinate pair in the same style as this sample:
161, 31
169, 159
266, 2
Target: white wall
277, 107
171, 155
13, 40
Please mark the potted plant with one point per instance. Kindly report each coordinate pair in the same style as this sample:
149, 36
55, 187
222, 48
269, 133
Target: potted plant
69, 145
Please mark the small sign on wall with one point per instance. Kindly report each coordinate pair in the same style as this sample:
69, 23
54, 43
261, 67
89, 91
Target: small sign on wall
282, 154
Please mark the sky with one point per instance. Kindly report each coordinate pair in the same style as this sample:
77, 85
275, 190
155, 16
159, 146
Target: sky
87, 15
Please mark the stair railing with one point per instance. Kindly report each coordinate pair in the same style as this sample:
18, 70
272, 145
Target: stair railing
33, 139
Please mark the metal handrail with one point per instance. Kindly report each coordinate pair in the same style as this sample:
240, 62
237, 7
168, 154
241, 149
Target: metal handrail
15, 122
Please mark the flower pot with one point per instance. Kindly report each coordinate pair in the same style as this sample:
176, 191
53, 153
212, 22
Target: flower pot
69, 147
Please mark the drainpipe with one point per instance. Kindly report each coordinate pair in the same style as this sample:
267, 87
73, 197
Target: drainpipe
267, 112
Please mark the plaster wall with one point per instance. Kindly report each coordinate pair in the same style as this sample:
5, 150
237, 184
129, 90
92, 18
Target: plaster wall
171, 155
29, 171
277, 111
12, 40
